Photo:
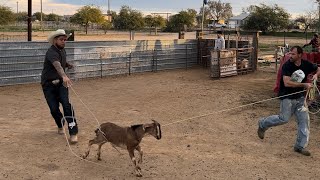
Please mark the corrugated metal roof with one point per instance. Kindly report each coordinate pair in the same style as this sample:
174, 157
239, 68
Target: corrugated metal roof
240, 17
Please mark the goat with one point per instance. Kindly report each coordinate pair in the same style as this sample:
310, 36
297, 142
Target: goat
125, 137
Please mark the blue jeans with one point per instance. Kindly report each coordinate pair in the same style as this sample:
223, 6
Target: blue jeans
56, 94
288, 107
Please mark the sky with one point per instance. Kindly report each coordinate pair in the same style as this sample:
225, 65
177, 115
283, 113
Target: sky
69, 7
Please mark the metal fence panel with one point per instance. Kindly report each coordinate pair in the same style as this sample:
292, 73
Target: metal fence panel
22, 62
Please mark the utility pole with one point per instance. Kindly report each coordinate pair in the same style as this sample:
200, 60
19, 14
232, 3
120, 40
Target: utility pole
109, 12
29, 20
204, 2
202, 19
17, 7
109, 7
41, 15
318, 1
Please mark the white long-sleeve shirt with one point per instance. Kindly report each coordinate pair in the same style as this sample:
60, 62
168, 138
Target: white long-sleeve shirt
219, 43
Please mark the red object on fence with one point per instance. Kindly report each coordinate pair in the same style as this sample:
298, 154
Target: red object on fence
312, 57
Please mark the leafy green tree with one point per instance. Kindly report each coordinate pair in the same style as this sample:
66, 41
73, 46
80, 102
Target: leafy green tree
106, 25
266, 18
206, 18
52, 17
37, 16
128, 19
113, 15
219, 10
21, 16
183, 19
86, 15
148, 20
6, 15
154, 22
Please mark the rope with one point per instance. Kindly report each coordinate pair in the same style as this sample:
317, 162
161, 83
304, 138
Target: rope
85, 106
69, 146
311, 96
191, 118
73, 118
99, 127
250, 104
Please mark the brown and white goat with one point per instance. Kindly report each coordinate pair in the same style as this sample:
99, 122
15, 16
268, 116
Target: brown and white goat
125, 137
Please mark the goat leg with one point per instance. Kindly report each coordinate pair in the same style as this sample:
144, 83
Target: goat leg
138, 148
99, 151
91, 142
137, 169
88, 149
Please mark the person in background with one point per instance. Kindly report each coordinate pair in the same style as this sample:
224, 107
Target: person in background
291, 93
55, 83
219, 42
314, 43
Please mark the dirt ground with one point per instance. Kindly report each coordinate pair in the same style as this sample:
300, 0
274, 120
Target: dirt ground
122, 35
223, 145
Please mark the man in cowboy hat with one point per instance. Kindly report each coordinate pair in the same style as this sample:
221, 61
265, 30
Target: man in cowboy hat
55, 83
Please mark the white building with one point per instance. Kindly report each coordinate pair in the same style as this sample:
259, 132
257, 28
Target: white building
237, 21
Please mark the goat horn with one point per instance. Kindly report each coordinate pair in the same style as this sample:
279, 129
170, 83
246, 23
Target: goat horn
158, 128
159, 131
154, 121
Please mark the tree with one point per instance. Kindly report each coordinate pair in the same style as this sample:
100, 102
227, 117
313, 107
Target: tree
206, 16
113, 15
266, 18
37, 16
219, 10
128, 19
148, 20
183, 19
106, 25
86, 15
154, 22
52, 17
308, 20
21, 16
6, 15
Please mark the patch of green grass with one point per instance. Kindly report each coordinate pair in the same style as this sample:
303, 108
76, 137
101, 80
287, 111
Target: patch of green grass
265, 46
12, 29
289, 34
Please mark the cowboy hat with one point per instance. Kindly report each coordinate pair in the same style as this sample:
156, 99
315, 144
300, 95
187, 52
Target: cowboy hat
59, 32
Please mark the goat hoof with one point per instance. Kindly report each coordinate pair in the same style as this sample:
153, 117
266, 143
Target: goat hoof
138, 174
84, 156
99, 159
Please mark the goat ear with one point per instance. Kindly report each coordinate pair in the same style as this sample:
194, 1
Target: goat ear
144, 126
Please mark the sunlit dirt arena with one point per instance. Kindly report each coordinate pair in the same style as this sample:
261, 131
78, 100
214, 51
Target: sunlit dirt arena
221, 145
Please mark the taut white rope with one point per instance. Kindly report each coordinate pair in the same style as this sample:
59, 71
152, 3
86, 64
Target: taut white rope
250, 104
